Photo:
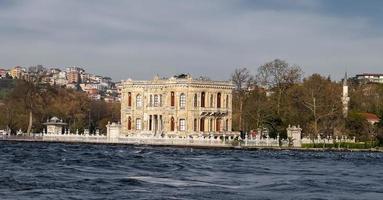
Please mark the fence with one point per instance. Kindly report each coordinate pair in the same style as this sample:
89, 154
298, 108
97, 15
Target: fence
208, 141
327, 140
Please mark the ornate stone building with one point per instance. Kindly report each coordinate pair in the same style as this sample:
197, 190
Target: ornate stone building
179, 106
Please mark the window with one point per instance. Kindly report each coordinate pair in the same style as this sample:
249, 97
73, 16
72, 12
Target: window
195, 101
129, 123
218, 125
211, 100
211, 125
182, 100
138, 101
172, 124
195, 125
172, 101
156, 101
160, 99
150, 122
227, 125
202, 125
138, 124
182, 125
203, 99
218, 100
151, 100
129, 99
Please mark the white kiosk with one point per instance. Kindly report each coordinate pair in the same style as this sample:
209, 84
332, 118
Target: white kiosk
55, 126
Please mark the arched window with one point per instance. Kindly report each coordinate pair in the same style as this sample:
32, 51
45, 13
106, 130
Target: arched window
138, 101
219, 100
203, 99
129, 123
172, 99
129, 99
195, 125
172, 124
227, 125
211, 100
218, 125
182, 100
195, 100
202, 125
156, 101
227, 101
211, 125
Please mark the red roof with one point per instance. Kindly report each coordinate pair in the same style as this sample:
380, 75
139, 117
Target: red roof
370, 117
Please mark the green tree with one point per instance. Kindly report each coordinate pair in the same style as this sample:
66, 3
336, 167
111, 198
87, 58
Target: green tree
358, 126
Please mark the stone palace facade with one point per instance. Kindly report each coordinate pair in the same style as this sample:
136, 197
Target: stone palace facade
177, 106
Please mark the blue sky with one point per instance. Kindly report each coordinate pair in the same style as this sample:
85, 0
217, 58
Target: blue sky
138, 39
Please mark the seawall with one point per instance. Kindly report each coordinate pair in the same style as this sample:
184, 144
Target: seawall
197, 146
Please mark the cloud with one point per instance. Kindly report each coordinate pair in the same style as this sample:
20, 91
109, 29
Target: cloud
138, 39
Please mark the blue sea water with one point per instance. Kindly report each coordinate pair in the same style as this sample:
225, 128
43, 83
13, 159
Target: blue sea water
86, 171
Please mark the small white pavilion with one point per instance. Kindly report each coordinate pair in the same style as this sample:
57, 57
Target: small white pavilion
55, 126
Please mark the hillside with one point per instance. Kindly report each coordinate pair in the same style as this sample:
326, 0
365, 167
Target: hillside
6, 85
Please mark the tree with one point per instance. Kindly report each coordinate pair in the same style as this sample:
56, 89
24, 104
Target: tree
44, 101
241, 79
321, 97
256, 109
358, 126
30, 94
278, 75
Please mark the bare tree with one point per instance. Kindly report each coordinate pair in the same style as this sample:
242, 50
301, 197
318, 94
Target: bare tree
321, 97
278, 75
241, 79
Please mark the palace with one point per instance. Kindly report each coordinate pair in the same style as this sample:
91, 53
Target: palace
177, 106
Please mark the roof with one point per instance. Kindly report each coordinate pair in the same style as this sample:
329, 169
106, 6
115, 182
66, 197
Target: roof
182, 79
55, 121
370, 116
369, 74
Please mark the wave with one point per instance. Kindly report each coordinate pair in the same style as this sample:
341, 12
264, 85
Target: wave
179, 183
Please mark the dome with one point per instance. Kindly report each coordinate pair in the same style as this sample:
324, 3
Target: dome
54, 119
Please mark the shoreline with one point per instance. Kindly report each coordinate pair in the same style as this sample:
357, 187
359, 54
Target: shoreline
246, 148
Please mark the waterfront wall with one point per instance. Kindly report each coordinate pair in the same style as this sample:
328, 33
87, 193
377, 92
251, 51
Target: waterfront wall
203, 141
208, 141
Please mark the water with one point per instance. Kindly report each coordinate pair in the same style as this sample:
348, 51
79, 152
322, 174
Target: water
84, 171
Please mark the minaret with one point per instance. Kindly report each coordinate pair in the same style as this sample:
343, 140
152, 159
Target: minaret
345, 97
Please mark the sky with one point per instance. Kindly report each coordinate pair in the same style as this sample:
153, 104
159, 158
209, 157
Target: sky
139, 39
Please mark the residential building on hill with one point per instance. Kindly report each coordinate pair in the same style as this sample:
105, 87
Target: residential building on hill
3, 73
98, 87
73, 77
369, 78
17, 72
